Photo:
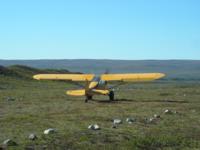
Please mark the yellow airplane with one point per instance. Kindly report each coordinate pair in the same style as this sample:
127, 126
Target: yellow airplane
97, 85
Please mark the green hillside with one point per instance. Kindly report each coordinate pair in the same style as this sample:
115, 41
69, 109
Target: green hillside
20, 71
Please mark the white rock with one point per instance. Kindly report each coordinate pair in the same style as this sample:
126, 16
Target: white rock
130, 120
32, 137
90, 126
117, 121
175, 112
114, 126
167, 111
49, 131
156, 116
94, 127
151, 119
9, 142
10, 99
193, 111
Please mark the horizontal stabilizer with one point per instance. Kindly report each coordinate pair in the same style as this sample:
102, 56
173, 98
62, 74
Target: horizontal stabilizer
101, 92
76, 92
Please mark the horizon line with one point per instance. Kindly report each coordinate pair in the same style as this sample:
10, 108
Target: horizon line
38, 59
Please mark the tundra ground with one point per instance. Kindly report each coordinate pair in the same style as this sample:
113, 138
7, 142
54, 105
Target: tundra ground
28, 106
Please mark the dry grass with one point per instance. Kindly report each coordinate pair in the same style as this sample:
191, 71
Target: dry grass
41, 105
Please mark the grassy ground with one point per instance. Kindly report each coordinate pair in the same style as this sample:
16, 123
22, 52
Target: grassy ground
41, 105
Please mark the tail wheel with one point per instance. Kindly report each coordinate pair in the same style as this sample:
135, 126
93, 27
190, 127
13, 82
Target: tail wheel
111, 95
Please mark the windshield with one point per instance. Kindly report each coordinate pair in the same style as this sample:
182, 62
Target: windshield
96, 79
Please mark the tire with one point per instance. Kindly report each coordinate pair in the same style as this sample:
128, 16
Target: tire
88, 98
111, 96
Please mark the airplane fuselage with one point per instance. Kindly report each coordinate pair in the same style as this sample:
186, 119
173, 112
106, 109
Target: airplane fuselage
97, 86
97, 83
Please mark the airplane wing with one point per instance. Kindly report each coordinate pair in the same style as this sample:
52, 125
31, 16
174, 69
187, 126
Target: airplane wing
69, 77
132, 77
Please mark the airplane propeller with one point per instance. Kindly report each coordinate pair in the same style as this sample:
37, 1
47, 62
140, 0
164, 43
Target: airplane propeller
107, 71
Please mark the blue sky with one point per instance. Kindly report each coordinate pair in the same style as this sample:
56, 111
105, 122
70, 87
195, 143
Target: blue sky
100, 29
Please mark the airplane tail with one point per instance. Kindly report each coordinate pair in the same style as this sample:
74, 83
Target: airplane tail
81, 92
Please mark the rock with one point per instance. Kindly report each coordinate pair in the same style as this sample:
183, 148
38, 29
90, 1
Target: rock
9, 142
130, 120
151, 119
114, 126
44, 147
156, 116
32, 137
94, 127
167, 111
175, 112
10, 99
193, 111
117, 121
49, 131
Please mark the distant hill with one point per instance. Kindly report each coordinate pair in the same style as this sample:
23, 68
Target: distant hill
21, 71
175, 69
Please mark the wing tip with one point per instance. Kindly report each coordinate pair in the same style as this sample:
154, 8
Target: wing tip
161, 75
36, 77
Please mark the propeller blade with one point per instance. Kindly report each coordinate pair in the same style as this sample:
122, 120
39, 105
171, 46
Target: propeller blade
107, 71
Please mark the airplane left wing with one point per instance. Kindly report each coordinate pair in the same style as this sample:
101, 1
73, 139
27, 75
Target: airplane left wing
132, 77
68, 77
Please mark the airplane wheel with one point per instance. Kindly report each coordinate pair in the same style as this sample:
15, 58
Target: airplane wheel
88, 98
111, 95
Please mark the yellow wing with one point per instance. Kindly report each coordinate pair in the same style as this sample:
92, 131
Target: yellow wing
132, 77
69, 77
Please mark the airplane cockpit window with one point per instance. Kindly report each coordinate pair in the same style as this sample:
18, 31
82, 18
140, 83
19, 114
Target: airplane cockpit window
96, 79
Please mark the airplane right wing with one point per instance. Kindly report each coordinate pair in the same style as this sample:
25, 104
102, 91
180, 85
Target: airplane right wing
132, 77
68, 77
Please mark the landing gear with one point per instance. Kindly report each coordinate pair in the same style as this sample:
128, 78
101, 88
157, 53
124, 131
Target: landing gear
88, 97
111, 95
